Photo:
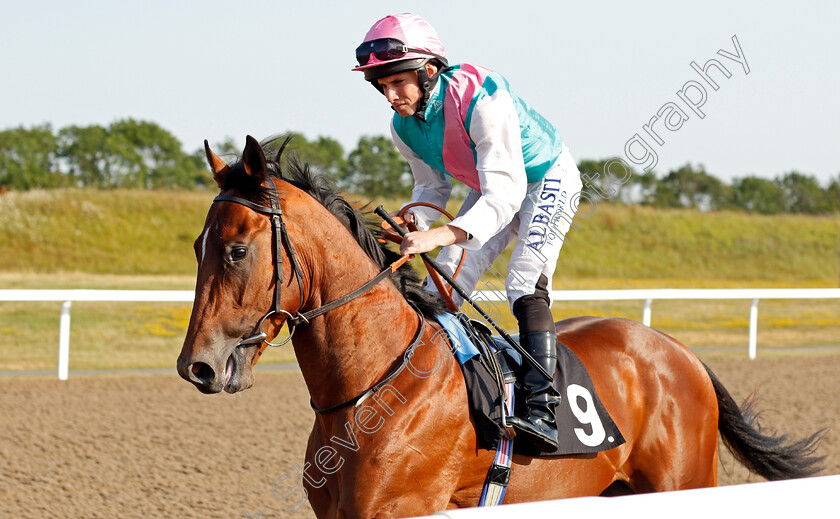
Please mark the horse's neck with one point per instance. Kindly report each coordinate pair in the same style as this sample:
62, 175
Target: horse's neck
351, 347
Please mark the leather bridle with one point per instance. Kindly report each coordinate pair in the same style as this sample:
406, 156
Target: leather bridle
281, 238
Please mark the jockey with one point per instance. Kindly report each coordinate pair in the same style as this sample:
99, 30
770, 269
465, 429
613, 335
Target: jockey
463, 121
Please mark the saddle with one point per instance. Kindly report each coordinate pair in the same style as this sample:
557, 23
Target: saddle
489, 363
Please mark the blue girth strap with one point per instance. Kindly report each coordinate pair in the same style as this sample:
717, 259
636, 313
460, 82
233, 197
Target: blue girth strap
496, 483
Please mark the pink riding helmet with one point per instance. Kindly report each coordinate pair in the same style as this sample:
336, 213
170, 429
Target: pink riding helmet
415, 33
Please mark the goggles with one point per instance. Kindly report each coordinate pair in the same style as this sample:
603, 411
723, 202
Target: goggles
385, 49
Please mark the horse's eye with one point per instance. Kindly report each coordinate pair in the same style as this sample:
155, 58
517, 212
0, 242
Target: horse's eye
238, 253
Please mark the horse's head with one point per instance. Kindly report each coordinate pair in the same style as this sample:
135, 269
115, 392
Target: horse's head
237, 275
272, 247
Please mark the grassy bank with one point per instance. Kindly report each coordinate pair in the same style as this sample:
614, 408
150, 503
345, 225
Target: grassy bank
101, 232
151, 233
143, 240
640, 242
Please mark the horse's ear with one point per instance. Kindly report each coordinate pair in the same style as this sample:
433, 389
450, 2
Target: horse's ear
253, 159
217, 165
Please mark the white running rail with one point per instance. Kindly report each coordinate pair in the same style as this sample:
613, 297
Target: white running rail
67, 297
776, 499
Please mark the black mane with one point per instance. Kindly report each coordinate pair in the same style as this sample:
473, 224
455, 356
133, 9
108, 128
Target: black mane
365, 231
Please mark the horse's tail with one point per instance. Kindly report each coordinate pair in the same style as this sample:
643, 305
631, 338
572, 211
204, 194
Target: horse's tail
772, 457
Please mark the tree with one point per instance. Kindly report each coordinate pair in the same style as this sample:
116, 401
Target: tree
376, 168
28, 158
613, 179
689, 187
803, 194
595, 181
324, 155
225, 147
641, 188
148, 156
834, 192
757, 195
85, 151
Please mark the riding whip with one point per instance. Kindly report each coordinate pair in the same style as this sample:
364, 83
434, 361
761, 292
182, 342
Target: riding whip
380, 211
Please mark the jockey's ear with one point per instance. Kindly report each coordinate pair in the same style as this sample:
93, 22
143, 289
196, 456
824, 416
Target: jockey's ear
431, 69
217, 165
253, 159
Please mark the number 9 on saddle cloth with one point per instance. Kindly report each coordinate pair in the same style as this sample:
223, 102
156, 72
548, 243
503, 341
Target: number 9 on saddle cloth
489, 362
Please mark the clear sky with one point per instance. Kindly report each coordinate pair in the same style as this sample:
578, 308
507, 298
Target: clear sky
599, 71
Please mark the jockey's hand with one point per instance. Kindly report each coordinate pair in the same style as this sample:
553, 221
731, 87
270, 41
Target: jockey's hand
408, 217
424, 241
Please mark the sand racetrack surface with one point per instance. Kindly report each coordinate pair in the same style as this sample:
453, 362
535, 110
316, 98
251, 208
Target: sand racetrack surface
153, 446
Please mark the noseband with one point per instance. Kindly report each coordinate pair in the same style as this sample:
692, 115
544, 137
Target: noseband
281, 237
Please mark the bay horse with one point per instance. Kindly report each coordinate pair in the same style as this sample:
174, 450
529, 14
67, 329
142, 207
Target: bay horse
275, 248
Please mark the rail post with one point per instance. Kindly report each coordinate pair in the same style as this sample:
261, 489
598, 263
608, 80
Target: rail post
753, 328
64, 341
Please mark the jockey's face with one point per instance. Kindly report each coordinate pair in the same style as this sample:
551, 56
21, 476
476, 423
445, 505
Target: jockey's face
402, 91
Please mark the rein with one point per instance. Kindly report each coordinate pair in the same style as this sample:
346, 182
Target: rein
361, 397
321, 310
281, 238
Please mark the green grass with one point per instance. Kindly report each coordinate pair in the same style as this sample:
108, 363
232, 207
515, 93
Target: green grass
643, 243
151, 232
143, 240
147, 335
103, 232
102, 335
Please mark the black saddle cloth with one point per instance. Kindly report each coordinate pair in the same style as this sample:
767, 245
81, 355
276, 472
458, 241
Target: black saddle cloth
583, 424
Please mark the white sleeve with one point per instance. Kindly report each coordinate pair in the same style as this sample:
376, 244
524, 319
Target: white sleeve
430, 185
494, 128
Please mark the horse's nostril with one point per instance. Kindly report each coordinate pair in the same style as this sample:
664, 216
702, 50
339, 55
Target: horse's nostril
203, 372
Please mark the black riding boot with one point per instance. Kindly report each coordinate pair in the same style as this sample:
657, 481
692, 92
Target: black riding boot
538, 426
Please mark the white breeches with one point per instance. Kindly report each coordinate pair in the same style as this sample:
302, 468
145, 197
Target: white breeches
538, 231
